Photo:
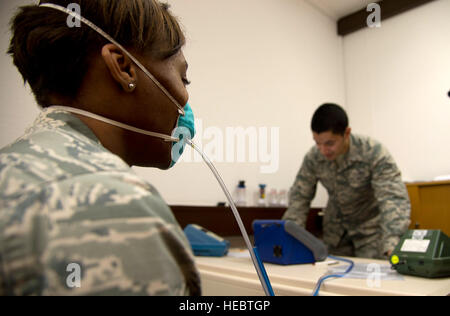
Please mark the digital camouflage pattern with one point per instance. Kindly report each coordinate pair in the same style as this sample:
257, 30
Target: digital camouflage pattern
368, 207
65, 199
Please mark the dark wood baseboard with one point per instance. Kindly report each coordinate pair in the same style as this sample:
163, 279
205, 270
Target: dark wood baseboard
220, 219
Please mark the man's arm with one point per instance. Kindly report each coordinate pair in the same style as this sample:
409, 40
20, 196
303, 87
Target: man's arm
301, 193
393, 200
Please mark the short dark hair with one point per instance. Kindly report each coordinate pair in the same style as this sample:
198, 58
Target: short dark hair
330, 117
53, 58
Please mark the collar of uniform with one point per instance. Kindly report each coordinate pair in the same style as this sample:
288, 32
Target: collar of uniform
66, 119
353, 154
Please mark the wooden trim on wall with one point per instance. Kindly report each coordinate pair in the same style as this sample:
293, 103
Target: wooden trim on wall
389, 8
221, 221
430, 205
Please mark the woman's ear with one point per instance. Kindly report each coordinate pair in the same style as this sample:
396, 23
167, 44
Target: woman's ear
121, 67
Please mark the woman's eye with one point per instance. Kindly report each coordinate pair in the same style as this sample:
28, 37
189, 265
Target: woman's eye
186, 82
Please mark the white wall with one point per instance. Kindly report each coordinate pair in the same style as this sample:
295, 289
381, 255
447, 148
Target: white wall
397, 80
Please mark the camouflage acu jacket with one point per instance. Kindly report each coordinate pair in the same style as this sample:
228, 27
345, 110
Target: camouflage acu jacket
366, 194
76, 220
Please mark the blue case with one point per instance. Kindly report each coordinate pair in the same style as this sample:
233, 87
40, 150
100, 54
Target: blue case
285, 243
205, 243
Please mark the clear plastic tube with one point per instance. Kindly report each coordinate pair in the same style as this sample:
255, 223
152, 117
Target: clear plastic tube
255, 259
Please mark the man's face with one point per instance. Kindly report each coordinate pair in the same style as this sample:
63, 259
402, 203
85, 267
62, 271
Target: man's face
332, 145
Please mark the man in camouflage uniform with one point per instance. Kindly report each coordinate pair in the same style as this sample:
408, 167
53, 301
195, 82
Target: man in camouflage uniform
368, 208
65, 199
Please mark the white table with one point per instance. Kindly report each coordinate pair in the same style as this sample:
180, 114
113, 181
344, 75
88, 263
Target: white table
231, 276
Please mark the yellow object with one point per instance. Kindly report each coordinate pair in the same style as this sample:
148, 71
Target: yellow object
395, 259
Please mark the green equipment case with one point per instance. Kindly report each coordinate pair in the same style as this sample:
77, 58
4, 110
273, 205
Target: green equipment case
424, 253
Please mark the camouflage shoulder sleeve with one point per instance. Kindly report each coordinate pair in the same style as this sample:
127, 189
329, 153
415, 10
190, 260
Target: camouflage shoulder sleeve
95, 234
76, 220
392, 197
302, 191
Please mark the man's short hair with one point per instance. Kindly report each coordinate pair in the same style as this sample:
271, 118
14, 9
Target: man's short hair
330, 117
